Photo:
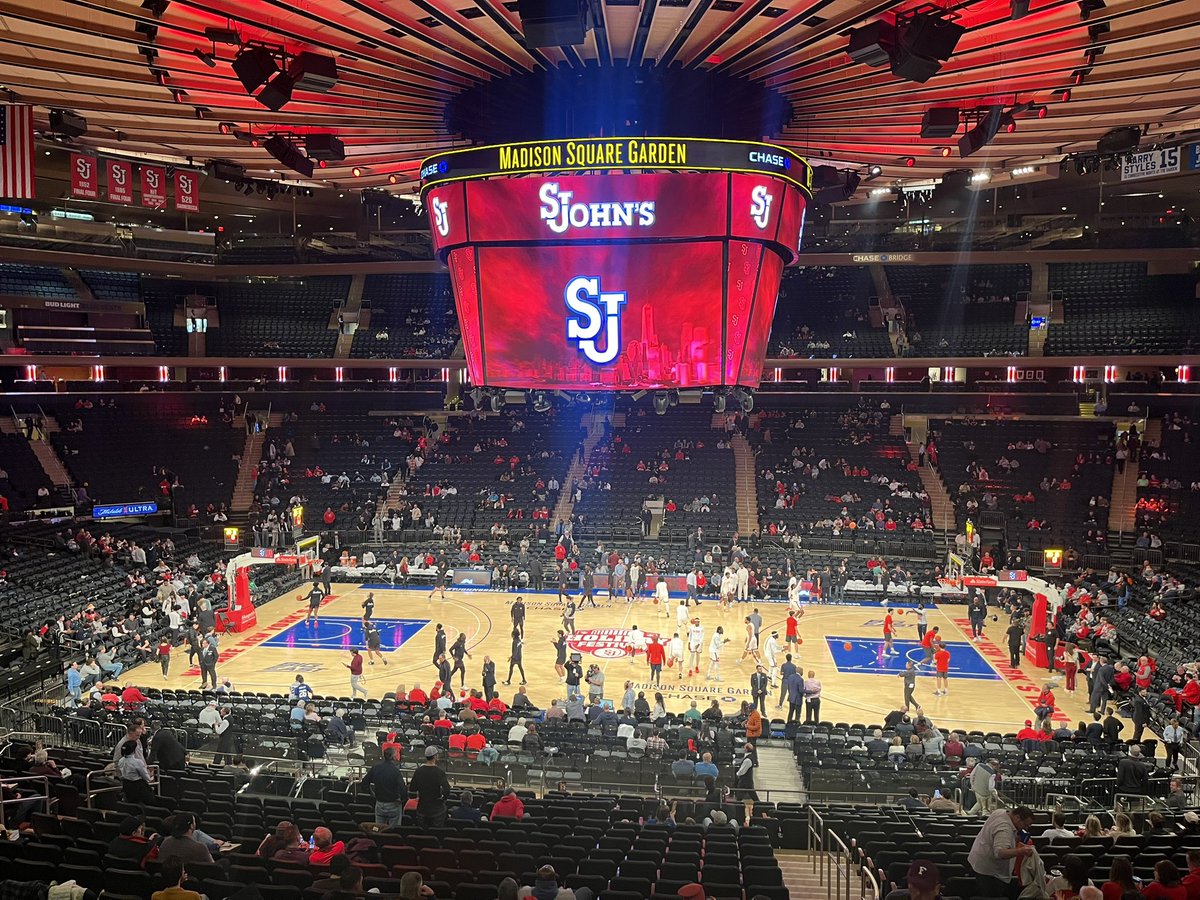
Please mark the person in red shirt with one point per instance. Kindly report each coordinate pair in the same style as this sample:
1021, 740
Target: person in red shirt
1191, 880
1045, 703
458, 740
496, 706
560, 552
1167, 884
792, 630
416, 695
1028, 733
132, 697
889, 634
941, 669
927, 642
325, 847
509, 806
656, 655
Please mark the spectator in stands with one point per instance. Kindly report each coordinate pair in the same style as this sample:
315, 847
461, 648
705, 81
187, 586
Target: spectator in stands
388, 787
131, 843
466, 811
337, 867
706, 767
1058, 829
135, 777
923, 882
181, 843
432, 788
1176, 798
509, 806
1120, 879
546, 887
995, 848
1072, 879
1133, 775
1167, 883
324, 847
284, 844
173, 874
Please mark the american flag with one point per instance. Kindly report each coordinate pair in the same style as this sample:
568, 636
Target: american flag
16, 151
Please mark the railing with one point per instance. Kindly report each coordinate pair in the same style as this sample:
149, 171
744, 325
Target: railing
44, 796
833, 863
92, 793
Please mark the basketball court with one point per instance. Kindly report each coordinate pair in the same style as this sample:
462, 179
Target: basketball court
841, 643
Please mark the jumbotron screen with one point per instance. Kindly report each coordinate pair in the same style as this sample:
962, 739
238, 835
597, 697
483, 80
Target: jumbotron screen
616, 281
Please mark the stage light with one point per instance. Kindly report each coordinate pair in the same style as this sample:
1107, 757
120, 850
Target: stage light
356, 172
324, 146
1041, 110
541, 402
943, 151
226, 128
1065, 95
392, 179
981, 176
874, 172
218, 35
745, 399
719, 400
253, 67
496, 400
313, 72
910, 161
661, 403
278, 92
476, 395
289, 155
1008, 123
925, 38
207, 58
981, 134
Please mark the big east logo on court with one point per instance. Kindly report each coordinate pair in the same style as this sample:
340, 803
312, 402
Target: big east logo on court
606, 643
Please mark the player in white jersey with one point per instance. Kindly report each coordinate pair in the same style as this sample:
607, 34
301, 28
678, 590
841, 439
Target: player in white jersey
728, 587
743, 584
771, 652
793, 592
675, 653
714, 654
635, 580
695, 646
637, 642
662, 595
681, 615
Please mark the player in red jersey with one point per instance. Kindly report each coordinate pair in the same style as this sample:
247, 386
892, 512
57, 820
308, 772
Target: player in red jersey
889, 633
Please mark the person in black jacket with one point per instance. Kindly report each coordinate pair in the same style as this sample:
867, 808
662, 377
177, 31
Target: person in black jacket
389, 788
166, 750
131, 843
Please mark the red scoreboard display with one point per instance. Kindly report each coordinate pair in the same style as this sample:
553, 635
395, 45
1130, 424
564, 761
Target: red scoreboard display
621, 279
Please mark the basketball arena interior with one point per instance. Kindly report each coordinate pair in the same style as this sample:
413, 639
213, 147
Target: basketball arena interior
603, 449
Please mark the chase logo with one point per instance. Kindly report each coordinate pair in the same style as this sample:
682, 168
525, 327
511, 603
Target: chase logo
441, 216
770, 159
760, 206
595, 312
431, 169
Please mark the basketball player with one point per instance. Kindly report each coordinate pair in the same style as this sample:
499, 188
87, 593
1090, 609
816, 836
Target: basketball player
714, 654
751, 648
793, 592
675, 654
635, 579
771, 652
587, 583
637, 643
568, 616
439, 642
929, 640
560, 655
661, 595
791, 631
373, 639
728, 587
516, 656
743, 583
517, 612
314, 598
439, 582
695, 646
368, 608
681, 615
889, 629
655, 657
941, 670
922, 621
459, 652
564, 576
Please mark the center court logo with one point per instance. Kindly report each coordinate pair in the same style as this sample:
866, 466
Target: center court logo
606, 643
595, 312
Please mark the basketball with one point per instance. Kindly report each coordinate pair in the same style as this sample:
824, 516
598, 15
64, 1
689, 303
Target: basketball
847, 646
799, 641
899, 612
656, 601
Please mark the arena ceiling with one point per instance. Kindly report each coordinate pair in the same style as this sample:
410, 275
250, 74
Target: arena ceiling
131, 68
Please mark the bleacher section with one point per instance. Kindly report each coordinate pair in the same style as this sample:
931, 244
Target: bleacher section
277, 317
1169, 501
162, 296
1117, 308
867, 483
411, 316
112, 285
961, 311
818, 306
1080, 452
25, 474
615, 488
35, 281
120, 452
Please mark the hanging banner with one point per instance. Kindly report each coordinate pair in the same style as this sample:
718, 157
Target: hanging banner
120, 180
1150, 164
154, 186
84, 176
187, 191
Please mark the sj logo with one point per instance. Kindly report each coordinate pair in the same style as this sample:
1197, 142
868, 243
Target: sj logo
596, 312
84, 168
760, 206
441, 216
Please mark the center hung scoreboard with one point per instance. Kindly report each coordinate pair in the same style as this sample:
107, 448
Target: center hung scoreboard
616, 263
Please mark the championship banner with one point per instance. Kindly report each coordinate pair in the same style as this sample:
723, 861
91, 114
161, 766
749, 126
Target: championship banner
84, 177
187, 191
120, 180
154, 186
